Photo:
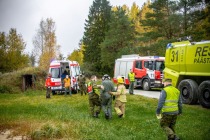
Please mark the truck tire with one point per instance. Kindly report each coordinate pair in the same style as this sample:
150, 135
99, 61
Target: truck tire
53, 92
188, 90
204, 94
146, 85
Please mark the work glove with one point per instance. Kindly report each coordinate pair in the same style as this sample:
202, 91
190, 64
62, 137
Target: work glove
159, 116
102, 87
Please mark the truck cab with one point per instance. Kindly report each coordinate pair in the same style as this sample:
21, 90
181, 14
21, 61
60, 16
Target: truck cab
148, 70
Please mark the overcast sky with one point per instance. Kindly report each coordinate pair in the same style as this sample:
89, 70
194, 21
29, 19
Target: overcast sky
69, 17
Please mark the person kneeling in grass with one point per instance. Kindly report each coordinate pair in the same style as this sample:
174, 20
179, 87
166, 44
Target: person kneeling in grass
120, 98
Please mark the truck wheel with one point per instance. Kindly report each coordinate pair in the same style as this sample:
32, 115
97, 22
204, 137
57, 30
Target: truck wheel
53, 92
188, 90
146, 85
204, 94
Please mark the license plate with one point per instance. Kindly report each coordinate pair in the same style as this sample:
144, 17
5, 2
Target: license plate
56, 87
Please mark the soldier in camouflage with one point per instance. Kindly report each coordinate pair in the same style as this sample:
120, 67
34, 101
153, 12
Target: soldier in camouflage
170, 106
81, 82
93, 93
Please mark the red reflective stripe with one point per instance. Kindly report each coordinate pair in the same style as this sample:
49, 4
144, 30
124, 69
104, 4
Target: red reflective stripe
74, 64
52, 66
55, 83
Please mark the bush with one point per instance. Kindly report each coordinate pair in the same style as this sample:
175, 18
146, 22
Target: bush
48, 132
4, 89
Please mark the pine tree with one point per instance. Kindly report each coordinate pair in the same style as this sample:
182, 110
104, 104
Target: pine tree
164, 22
95, 27
12, 47
120, 36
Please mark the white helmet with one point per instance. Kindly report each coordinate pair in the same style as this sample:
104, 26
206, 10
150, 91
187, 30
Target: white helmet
106, 76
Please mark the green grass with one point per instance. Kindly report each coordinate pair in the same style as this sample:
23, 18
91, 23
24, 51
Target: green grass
63, 117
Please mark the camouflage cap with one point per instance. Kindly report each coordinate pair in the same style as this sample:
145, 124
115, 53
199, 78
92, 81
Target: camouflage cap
167, 80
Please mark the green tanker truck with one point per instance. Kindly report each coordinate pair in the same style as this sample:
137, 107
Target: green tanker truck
188, 65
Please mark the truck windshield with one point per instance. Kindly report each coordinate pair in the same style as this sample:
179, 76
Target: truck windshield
159, 65
55, 72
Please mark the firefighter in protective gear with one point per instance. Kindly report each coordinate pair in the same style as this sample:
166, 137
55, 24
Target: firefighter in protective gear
48, 85
67, 85
170, 106
120, 98
106, 98
131, 78
93, 93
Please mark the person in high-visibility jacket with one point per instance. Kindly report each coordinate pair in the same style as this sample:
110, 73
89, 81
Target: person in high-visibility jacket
120, 98
67, 85
131, 78
94, 93
169, 107
48, 85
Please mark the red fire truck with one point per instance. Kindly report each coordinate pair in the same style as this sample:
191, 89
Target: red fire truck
59, 69
148, 70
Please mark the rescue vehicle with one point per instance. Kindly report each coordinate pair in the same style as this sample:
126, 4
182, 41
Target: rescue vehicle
188, 65
59, 69
148, 70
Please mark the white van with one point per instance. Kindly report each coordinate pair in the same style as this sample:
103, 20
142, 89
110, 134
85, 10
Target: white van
59, 69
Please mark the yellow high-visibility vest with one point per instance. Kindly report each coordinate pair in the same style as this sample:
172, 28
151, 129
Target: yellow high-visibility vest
172, 97
131, 76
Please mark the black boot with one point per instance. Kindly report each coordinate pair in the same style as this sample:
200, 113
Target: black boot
107, 116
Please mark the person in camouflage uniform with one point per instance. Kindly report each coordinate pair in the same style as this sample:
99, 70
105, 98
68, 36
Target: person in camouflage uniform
106, 98
81, 82
170, 106
93, 93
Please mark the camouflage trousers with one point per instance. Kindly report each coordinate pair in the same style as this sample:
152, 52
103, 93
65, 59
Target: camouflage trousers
94, 105
168, 123
48, 91
83, 89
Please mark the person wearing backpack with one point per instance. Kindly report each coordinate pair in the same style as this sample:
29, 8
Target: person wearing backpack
120, 98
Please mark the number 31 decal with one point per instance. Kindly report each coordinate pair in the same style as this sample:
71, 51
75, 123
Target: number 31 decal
174, 56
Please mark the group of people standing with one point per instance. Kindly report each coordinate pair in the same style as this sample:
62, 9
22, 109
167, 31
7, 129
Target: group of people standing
101, 96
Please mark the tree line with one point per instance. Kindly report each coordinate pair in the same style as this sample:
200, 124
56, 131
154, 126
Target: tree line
112, 31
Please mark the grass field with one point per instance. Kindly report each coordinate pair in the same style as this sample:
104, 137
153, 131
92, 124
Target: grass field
61, 117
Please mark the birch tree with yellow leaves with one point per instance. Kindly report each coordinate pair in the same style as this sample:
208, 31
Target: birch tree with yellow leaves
45, 43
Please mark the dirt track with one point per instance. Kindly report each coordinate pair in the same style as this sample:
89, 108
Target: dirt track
6, 135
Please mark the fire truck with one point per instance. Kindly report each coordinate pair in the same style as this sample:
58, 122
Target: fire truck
188, 65
59, 69
148, 70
